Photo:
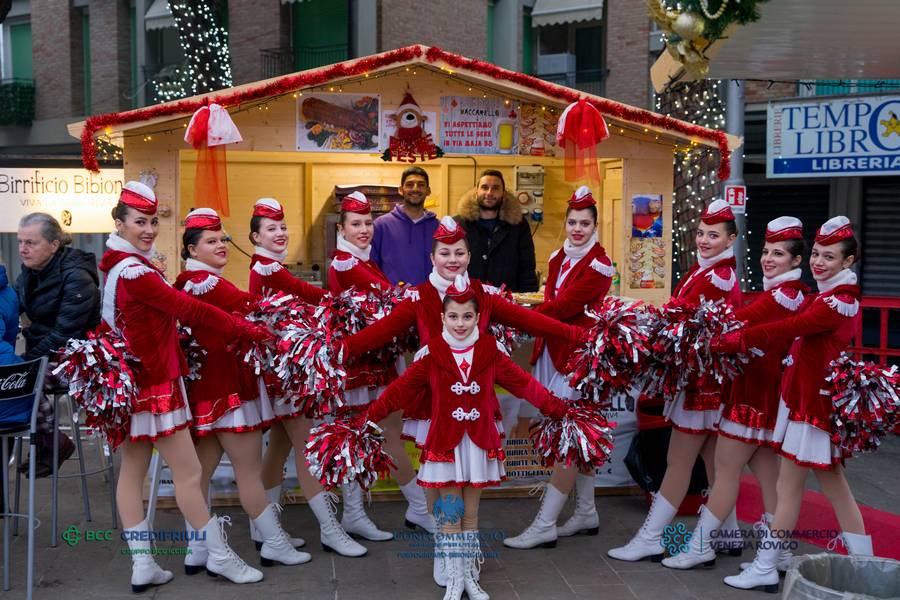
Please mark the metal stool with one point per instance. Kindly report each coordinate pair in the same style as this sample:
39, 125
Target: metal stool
106, 460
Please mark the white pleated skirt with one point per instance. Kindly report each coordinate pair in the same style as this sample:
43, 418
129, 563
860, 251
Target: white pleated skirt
471, 467
805, 444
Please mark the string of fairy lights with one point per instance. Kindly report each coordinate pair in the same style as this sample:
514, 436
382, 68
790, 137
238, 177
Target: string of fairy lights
205, 46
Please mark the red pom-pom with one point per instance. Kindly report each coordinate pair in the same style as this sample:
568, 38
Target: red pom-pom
583, 438
193, 352
866, 401
100, 377
349, 449
509, 337
614, 350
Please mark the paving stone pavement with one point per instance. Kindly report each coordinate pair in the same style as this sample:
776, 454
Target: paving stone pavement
577, 568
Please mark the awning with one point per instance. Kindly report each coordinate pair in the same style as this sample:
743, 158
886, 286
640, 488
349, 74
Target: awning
158, 16
557, 12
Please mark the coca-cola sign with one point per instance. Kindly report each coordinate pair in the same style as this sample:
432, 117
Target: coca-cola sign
14, 381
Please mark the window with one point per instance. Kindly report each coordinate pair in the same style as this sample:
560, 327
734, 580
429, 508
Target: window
554, 39
490, 32
20, 46
588, 53
320, 33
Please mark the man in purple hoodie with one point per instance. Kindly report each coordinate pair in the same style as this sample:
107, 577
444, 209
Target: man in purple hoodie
402, 242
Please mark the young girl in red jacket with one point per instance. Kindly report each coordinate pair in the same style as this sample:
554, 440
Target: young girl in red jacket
463, 451
579, 275
269, 236
802, 433
143, 307
748, 418
422, 309
352, 267
694, 414
229, 411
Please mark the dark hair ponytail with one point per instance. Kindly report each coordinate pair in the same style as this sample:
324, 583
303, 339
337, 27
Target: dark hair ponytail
850, 247
190, 237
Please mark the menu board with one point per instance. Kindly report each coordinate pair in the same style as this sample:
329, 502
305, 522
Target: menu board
477, 125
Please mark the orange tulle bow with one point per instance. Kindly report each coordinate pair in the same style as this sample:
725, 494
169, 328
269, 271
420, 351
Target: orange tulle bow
581, 127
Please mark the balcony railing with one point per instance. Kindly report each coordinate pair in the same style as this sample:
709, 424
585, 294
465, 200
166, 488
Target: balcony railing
586, 80
16, 102
280, 61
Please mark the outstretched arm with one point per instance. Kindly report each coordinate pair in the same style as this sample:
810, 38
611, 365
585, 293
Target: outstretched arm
532, 322
403, 389
522, 385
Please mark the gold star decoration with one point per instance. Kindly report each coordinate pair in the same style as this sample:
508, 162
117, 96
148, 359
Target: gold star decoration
891, 125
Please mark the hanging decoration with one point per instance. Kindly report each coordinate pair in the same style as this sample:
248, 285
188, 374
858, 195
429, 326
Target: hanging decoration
411, 142
358, 68
581, 127
210, 129
691, 26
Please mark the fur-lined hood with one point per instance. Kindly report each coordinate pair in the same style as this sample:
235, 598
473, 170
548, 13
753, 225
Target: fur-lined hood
467, 209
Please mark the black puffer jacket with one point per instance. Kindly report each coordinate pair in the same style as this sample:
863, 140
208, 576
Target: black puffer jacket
504, 256
62, 301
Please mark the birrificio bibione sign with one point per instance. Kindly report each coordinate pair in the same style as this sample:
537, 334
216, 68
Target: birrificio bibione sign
839, 137
80, 200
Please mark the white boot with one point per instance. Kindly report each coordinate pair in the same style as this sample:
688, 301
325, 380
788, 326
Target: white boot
222, 560
646, 542
700, 549
355, 520
761, 572
144, 570
273, 495
858, 545
332, 535
730, 539
195, 560
417, 512
542, 531
276, 543
455, 569
439, 570
784, 554
472, 561
584, 519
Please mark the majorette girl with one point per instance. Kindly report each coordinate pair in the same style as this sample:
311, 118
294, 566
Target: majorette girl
463, 451
693, 414
269, 236
142, 306
351, 267
229, 410
579, 275
422, 309
748, 418
802, 432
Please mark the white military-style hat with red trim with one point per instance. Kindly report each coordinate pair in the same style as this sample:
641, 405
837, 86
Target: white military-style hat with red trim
834, 230
582, 198
139, 196
203, 218
449, 231
784, 228
269, 208
718, 211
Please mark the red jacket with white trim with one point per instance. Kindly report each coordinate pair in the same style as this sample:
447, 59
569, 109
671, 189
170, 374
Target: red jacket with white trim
145, 312
347, 271
222, 372
268, 275
759, 385
825, 329
463, 405
585, 285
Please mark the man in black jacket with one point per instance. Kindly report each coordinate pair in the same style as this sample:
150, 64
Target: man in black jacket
498, 234
59, 293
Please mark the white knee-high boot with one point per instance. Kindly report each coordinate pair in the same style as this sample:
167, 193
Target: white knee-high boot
762, 572
541, 531
222, 560
277, 545
585, 518
417, 512
355, 520
472, 560
784, 554
730, 538
646, 542
700, 549
273, 495
144, 570
195, 560
332, 535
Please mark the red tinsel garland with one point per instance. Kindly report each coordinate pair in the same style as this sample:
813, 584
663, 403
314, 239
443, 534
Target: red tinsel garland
290, 83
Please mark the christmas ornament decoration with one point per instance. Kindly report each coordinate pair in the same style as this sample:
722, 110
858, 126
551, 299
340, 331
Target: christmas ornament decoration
349, 449
99, 374
580, 128
292, 83
209, 130
865, 401
411, 142
582, 438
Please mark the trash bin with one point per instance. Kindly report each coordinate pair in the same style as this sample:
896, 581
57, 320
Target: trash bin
832, 576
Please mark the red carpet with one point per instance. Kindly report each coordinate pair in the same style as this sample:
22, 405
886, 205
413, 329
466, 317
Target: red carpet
817, 516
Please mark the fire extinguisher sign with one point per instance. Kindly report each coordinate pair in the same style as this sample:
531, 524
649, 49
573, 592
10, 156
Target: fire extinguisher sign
736, 197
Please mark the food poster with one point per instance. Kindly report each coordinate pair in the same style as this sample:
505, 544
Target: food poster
477, 125
647, 266
338, 122
537, 130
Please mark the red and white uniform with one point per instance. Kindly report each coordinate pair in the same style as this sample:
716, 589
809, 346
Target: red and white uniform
464, 447
825, 328
751, 409
352, 267
138, 302
422, 308
227, 397
268, 275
